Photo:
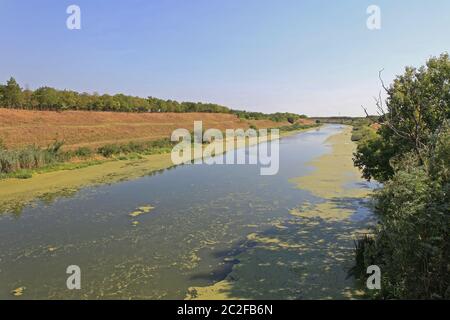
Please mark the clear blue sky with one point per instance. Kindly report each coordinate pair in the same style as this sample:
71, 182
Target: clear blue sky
315, 57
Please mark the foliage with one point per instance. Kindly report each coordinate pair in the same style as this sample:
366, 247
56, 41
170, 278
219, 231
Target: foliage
297, 126
373, 157
11, 94
362, 130
351, 121
417, 104
412, 238
147, 147
83, 152
410, 154
277, 117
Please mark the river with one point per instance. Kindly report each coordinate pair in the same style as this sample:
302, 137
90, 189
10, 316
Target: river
199, 231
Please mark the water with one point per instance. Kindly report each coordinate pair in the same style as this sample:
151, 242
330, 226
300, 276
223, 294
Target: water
194, 236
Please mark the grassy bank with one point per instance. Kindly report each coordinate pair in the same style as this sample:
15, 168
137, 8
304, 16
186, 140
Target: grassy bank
23, 163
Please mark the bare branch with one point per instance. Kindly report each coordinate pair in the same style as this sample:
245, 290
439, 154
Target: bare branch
365, 111
382, 81
367, 114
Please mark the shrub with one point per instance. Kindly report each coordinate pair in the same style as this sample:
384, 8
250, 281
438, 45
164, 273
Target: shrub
412, 240
109, 150
83, 152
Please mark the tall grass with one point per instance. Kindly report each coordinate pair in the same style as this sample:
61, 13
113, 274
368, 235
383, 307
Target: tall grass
361, 246
21, 163
30, 157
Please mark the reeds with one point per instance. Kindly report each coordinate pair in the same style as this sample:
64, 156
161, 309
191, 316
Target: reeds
30, 157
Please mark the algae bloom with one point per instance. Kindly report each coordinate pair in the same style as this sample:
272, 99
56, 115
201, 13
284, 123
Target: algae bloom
141, 210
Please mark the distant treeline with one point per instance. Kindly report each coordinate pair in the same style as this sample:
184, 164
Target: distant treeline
343, 120
47, 98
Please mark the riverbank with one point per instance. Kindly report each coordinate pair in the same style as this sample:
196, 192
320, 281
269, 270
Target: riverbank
16, 193
308, 255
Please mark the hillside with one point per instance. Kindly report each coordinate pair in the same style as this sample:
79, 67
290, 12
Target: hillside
19, 128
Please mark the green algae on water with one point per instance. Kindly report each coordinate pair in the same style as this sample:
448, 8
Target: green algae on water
18, 292
141, 210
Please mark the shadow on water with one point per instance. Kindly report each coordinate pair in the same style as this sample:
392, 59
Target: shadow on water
299, 258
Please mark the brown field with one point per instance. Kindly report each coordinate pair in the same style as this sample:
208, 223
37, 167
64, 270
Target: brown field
19, 128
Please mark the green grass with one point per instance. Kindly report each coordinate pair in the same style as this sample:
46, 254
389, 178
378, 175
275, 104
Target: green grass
297, 126
23, 163
362, 130
20, 174
146, 147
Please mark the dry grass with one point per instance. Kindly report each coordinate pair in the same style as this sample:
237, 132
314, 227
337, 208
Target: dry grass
19, 128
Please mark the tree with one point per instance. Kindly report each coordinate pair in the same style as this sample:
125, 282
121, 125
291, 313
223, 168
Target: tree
412, 239
417, 105
410, 154
47, 98
12, 94
2, 88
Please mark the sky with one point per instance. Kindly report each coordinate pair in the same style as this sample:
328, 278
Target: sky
315, 57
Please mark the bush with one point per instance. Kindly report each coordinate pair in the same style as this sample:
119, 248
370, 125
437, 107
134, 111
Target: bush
363, 132
412, 240
148, 147
109, 150
83, 152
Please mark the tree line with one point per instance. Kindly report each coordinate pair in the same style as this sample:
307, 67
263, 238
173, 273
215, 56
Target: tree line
51, 99
410, 155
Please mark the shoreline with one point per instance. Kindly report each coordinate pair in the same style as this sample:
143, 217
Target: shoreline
17, 193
